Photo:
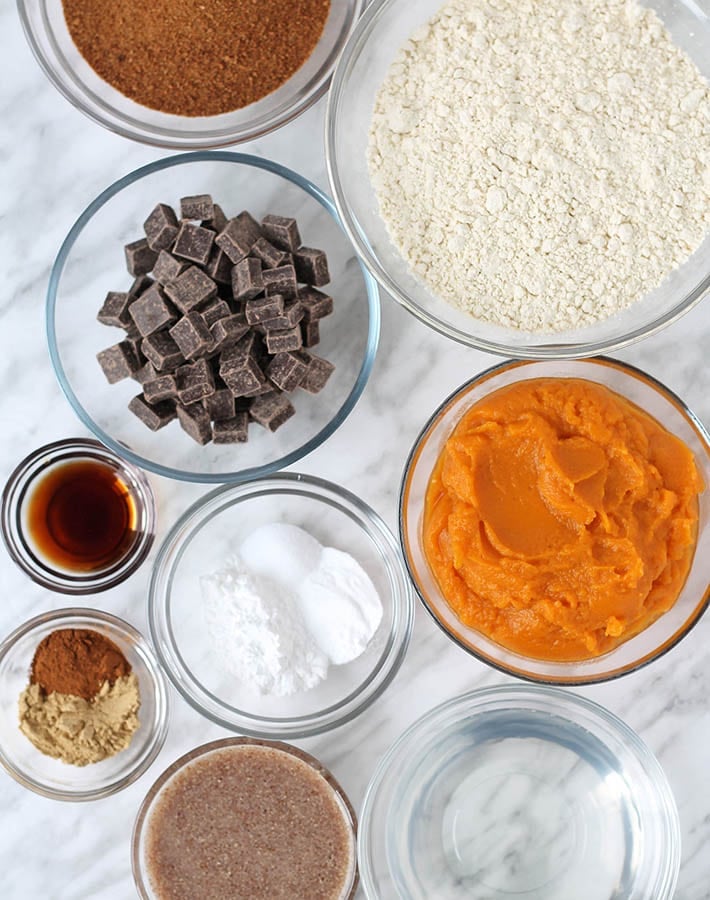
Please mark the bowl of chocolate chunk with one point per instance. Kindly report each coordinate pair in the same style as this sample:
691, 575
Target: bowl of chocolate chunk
208, 320
84, 704
188, 74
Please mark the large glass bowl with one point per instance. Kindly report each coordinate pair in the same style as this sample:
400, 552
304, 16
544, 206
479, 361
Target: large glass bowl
90, 263
519, 791
202, 540
382, 30
636, 652
48, 36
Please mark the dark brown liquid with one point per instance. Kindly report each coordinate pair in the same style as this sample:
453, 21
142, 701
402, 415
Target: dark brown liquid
81, 516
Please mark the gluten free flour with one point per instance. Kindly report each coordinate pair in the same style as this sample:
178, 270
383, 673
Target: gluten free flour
542, 165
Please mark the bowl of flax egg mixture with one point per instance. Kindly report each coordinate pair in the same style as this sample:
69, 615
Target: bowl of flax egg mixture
554, 519
531, 179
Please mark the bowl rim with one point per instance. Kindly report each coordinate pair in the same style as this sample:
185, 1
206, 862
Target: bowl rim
570, 681
322, 720
122, 450
545, 349
139, 873
171, 138
517, 694
63, 618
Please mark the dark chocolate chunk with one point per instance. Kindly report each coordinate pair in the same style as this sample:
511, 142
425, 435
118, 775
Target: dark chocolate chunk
161, 388
167, 268
147, 372
227, 331
214, 311
219, 266
317, 374
261, 309
196, 422
237, 356
292, 315
134, 339
191, 289
281, 231
194, 382
311, 266
192, 335
283, 341
140, 259
247, 279
271, 410
161, 227
316, 304
140, 286
238, 236
162, 351
151, 311
194, 243
118, 362
245, 381
310, 332
232, 431
199, 206
220, 405
269, 255
286, 371
217, 221
154, 415
281, 281
114, 310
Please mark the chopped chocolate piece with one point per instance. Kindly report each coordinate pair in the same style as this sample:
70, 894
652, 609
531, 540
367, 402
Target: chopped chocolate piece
195, 422
316, 304
232, 431
247, 279
318, 372
269, 255
140, 286
140, 259
162, 351
237, 356
310, 332
286, 371
261, 309
154, 415
134, 339
219, 266
245, 381
292, 315
238, 236
220, 405
281, 281
191, 289
161, 227
217, 221
226, 332
167, 268
214, 311
118, 362
199, 206
283, 341
147, 372
160, 388
192, 335
195, 382
271, 410
281, 231
114, 310
151, 311
311, 266
194, 243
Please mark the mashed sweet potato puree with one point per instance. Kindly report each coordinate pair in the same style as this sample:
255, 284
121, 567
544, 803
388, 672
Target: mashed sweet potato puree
560, 519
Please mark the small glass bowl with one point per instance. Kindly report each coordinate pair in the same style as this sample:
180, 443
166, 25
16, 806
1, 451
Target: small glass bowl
91, 262
383, 28
19, 542
638, 651
49, 39
524, 791
141, 827
51, 777
200, 542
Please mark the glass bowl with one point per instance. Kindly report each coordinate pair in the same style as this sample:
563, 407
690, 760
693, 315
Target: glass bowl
636, 652
140, 863
49, 39
519, 790
199, 543
90, 263
17, 535
51, 777
382, 30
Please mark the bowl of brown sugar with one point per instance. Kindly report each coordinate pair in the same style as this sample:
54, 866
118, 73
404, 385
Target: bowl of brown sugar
181, 73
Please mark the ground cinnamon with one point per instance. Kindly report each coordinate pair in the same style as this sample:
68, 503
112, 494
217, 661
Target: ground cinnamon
196, 57
77, 661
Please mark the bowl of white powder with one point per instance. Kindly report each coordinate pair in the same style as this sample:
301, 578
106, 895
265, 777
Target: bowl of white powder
281, 607
531, 179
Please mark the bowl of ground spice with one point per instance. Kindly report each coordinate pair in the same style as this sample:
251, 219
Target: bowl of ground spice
84, 707
189, 74
531, 179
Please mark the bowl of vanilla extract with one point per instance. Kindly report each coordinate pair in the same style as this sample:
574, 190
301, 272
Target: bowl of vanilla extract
77, 518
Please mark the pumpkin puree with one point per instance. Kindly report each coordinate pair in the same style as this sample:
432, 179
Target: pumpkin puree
560, 519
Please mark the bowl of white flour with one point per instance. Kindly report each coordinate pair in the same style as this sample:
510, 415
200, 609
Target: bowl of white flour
531, 179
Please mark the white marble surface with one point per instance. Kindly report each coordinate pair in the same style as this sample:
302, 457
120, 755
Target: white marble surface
53, 162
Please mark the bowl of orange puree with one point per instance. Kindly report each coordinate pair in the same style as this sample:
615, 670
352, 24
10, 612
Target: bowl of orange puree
554, 519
